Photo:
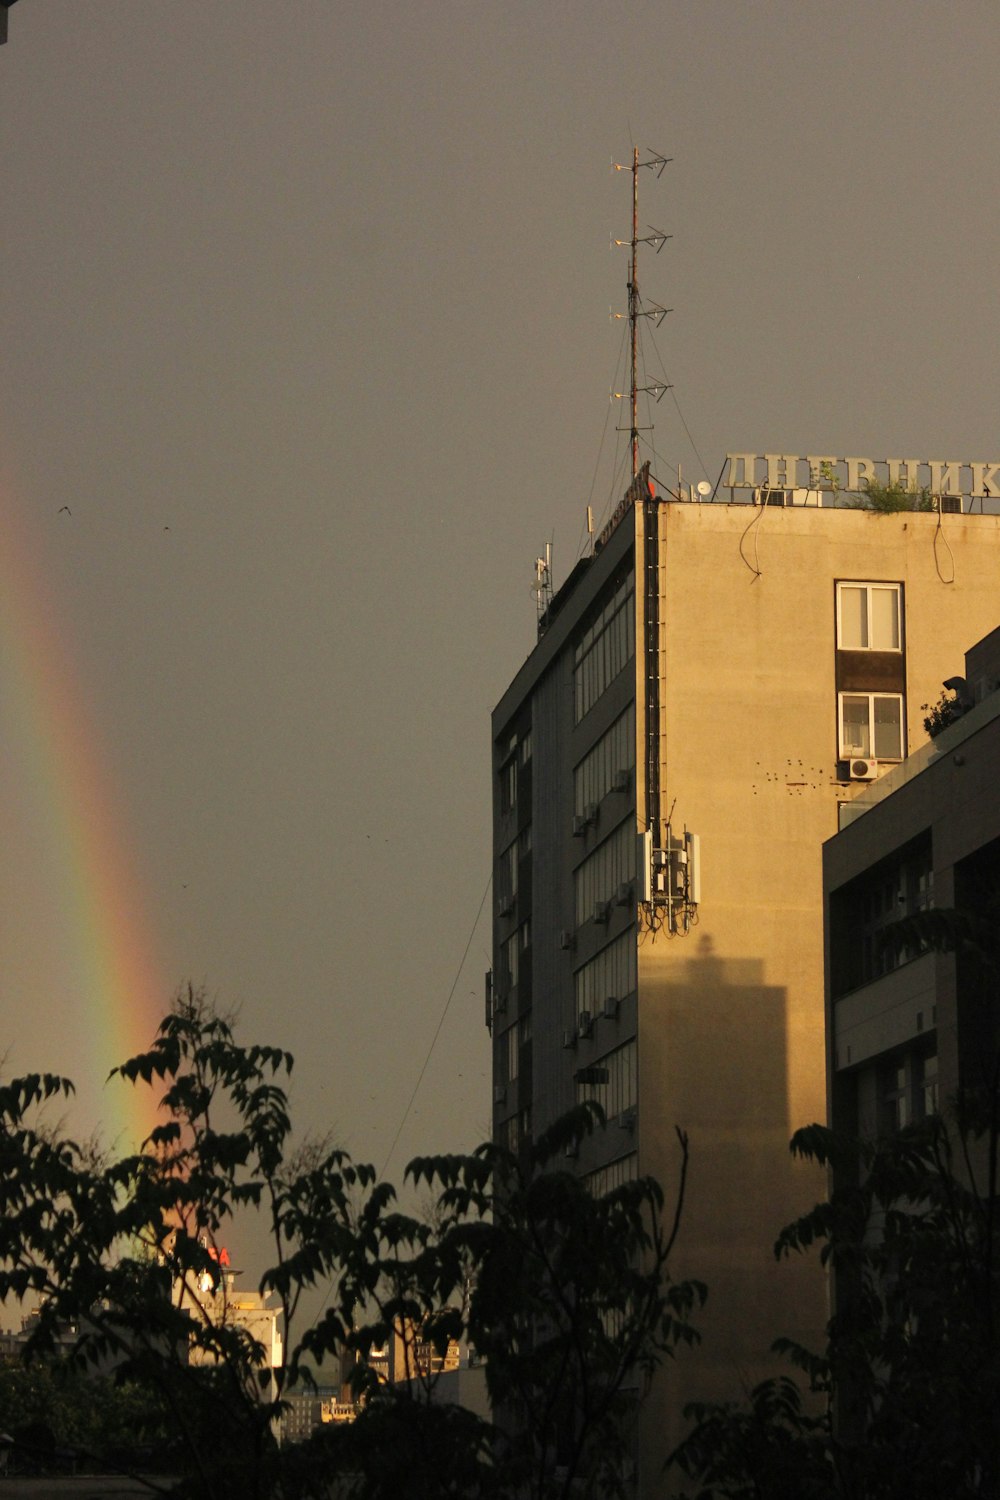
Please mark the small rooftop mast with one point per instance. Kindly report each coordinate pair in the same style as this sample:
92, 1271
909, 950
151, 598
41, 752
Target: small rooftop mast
542, 587
658, 239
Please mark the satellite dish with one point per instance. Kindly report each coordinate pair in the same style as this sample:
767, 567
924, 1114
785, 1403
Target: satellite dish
704, 488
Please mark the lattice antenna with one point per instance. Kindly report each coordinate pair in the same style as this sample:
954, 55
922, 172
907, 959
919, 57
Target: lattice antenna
657, 239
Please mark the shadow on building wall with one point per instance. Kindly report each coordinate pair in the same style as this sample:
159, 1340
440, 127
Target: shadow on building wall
713, 1053
713, 1059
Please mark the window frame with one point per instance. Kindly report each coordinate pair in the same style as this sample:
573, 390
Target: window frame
871, 754
869, 585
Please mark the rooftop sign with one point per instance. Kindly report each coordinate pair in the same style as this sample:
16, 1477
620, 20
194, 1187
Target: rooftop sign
788, 471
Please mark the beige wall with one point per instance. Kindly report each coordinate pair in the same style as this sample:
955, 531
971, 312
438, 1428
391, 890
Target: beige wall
731, 1035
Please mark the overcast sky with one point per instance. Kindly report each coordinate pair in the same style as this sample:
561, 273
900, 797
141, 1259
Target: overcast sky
305, 352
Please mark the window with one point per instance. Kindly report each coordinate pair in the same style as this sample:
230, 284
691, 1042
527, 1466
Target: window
909, 1089
862, 914
509, 1054
508, 784
871, 724
509, 961
928, 1084
604, 648
895, 1097
611, 865
606, 1179
611, 1082
610, 973
507, 878
902, 890
869, 616
613, 755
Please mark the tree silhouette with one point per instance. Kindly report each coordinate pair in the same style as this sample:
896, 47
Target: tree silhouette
564, 1294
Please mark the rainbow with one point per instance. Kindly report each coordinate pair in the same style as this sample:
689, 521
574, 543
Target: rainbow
93, 980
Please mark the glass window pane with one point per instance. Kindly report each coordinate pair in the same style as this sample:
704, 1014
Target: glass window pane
885, 619
853, 618
888, 728
857, 740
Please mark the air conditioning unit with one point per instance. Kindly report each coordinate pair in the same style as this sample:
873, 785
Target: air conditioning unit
585, 1023
623, 895
862, 770
948, 505
610, 1011
622, 781
805, 497
627, 1119
505, 905
499, 1093
602, 911
592, 1076
768, 495
499, 1002
579, 825
590, 812
566, 939
569, 1038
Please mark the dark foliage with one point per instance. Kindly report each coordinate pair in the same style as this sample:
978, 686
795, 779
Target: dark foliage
564, 1295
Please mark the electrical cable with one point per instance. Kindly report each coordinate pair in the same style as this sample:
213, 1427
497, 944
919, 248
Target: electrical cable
600, 446
621, 448
423, 1070
756, 520
673, 395
939, 532
437, 1033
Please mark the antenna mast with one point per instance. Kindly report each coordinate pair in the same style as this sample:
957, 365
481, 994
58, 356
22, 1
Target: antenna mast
633, 310
658, 239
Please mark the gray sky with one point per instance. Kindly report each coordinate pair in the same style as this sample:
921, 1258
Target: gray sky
304, 315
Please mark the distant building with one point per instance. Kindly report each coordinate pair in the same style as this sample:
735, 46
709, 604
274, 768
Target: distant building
707, 690
907, 1029
454, 1376
308, 1407
229, 1304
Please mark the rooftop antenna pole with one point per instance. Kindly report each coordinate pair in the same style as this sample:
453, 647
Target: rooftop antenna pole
657, 239
633, 308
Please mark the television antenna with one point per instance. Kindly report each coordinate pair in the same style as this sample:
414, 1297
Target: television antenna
657, 239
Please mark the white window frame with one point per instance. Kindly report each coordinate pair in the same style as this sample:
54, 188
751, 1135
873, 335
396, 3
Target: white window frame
852, 583
847, 753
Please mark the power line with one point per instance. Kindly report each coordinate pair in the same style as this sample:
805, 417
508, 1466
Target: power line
423, 1070
437, 1033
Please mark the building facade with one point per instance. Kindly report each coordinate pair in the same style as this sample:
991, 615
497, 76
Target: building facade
907, 1029
706, 692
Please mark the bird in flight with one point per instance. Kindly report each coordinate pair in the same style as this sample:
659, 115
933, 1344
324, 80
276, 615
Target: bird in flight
64, 508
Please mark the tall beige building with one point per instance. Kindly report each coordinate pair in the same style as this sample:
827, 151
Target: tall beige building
706, 691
